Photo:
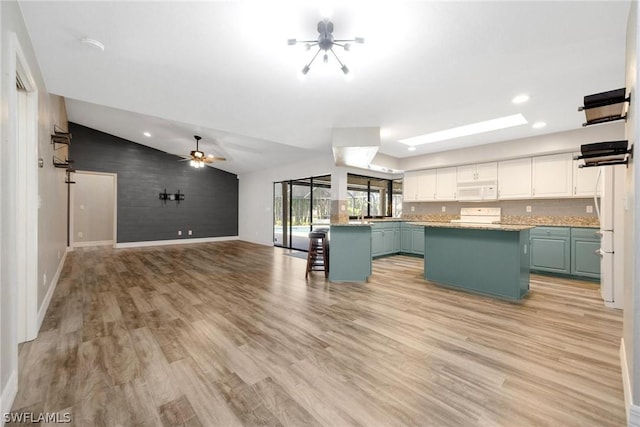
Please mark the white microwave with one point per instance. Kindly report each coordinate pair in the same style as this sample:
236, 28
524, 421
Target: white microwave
476, 191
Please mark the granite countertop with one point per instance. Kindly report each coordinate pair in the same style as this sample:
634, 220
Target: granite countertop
353, 224
499, 227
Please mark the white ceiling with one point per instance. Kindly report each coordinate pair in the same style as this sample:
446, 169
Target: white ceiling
224, 70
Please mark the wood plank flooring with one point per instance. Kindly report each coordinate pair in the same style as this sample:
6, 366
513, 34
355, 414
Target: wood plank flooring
230, 333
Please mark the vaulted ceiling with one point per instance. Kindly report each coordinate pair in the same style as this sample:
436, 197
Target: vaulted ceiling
223, 69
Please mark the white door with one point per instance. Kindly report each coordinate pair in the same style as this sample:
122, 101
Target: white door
487, 171
514, 179
427, 185
93, 213
552, 176
466, 173
446, 183
584, 180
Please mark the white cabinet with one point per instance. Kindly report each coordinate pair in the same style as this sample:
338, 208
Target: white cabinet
419, 186
584, 180
552, 176
427, 185
410, 186
446, 183
514, 179
478, 172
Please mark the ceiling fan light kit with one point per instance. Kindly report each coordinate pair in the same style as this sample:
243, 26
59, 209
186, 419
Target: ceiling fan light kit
325, 42
198, 158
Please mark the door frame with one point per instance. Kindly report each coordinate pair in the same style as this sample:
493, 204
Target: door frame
72, 244
26, 192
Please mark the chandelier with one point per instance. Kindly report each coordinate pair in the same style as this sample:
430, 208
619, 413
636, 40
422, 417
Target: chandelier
325, 42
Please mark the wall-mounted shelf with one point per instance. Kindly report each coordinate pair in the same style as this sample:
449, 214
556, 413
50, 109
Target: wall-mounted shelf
605, 107
605, 154
61, 141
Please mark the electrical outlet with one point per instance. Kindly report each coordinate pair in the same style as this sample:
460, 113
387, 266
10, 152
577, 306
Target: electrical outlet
413, 208
44, 279
179, 232
444, 209
80, 234
190, 232
528, 208
589, 209
343, 208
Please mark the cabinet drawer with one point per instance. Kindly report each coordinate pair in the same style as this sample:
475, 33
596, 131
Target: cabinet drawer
551, 232
586, 233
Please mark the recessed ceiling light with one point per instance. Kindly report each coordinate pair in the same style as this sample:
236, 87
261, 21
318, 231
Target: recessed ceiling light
538, 125
412, 148
147, 134
520, 99
92, 42
466, 130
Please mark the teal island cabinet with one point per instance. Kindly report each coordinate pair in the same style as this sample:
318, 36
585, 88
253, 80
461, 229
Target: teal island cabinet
488, 259
350, 252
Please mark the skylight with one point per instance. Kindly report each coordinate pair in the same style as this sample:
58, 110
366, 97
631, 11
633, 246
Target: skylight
466, 130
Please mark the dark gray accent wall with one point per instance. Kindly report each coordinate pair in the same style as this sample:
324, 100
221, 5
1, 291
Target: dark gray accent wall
210, 208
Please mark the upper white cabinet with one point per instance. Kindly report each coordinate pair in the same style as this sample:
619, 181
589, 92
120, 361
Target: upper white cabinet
514, 179
410, 186
479, 172
446, 183
419, 186
584, 180
427, 184
552, 176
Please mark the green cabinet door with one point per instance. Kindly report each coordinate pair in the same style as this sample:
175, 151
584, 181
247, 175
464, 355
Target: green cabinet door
585, 261
417, 240
406, 244
551, 249
377, 242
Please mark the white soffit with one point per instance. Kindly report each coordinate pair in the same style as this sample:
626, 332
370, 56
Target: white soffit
355, 146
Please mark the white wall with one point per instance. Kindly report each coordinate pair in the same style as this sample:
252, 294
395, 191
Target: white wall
52, 212
255, 219
631, 321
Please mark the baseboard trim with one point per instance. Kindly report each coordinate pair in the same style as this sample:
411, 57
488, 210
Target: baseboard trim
8, 395
96, 243
175, 242
633, 411
42, 311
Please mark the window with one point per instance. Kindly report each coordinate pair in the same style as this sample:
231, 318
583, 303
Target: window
373, 197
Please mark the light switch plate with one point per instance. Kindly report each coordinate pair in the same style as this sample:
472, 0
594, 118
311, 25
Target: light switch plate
444, 209
413, 208
589, 209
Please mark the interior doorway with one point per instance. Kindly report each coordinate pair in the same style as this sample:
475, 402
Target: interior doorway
93, 212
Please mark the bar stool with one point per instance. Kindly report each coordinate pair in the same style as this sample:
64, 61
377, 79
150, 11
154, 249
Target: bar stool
318, 256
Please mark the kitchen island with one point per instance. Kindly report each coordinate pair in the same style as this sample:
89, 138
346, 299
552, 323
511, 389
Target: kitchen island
488, 259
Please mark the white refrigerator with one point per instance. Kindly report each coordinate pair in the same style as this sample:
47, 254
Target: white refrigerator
611, 215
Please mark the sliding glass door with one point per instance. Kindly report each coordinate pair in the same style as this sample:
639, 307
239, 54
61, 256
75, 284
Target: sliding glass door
299, 206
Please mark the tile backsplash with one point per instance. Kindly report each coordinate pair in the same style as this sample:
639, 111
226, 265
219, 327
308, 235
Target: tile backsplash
543, 211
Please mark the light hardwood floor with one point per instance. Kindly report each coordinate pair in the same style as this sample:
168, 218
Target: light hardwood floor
230, 333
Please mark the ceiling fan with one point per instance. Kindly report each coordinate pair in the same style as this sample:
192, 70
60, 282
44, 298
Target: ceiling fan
198, 159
